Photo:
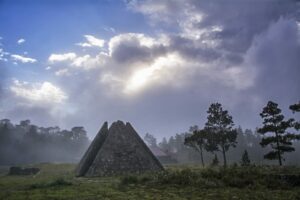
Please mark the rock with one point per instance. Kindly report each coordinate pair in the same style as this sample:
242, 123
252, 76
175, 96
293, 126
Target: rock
23, 171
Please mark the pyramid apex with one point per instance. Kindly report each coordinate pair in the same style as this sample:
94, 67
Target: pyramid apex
118, 123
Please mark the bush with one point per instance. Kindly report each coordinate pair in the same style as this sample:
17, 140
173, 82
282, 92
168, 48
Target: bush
130, 179
55, 183
234, 176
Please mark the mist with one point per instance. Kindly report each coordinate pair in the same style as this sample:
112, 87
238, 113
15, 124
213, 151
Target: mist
25, 143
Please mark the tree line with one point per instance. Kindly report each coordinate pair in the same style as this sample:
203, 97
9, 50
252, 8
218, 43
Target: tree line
27, 143
219, 137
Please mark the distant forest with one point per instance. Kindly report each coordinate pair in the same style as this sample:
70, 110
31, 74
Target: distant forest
25, 143
246, 140
277, 140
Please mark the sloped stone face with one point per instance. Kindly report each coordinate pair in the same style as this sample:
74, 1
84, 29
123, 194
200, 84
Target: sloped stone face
92, 151
122, 151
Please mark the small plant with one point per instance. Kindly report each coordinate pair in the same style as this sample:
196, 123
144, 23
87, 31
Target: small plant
215, 161
130, 179
245, 159
60, 182
57, 182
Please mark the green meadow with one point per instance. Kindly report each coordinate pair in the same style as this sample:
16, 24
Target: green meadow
57, 181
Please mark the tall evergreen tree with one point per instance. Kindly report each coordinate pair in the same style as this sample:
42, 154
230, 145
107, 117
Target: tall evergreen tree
220, 132
278, 138
245, 159
215, 161
296, 108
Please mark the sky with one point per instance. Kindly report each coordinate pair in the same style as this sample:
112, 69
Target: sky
157, 64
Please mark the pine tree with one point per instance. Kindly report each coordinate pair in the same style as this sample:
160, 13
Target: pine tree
220, 132
274, 123
215, 161
245, 159
296, 108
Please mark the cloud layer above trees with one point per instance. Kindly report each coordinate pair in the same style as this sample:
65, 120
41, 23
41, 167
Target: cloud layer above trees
239, 53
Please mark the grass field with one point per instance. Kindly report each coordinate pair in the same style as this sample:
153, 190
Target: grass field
57, 181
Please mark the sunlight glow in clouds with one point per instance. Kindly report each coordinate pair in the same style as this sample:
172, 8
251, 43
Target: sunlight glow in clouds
44, 92
154, 74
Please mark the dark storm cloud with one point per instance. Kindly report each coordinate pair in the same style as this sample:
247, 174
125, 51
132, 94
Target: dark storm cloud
242, 20
130, 51
191, 50
276, 54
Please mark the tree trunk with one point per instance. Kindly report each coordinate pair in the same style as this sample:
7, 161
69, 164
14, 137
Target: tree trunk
224, 157
202, 160
278, 151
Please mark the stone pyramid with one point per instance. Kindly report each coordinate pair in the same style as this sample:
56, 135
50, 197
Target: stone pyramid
117, 150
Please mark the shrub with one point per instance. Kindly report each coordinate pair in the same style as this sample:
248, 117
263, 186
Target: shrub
130, 179
57, 182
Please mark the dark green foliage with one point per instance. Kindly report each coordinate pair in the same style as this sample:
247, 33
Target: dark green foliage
274, 123
219, 128
130, 179
215, 161
245, 159
237, 177
296, 108
198, 141
56, 183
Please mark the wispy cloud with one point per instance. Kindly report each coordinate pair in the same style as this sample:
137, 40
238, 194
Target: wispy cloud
3, 55
21, 40
62, 72
23, 59
92, 41
61, 57
109, 29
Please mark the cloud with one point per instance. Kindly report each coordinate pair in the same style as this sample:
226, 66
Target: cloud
44, 93
48, 68
62, 72
61, 57
275, 53
134, 47
43, 103
73, 61
109, 29
92, 42
23, 59
3, 55
21, 40
237, 22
